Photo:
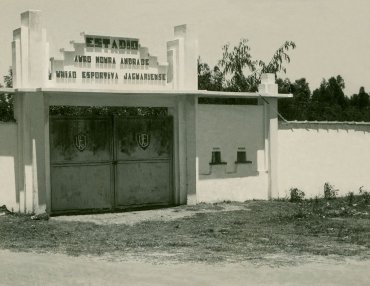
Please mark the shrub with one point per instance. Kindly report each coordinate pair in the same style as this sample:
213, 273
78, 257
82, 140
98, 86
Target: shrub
350, 197
315, 204
329, 191
296, 195
364, 194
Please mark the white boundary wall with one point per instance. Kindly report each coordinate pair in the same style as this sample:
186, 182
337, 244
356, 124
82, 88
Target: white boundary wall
310, 154
8, 165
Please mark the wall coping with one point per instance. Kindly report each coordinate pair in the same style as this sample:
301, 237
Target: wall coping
201, 93
324, 122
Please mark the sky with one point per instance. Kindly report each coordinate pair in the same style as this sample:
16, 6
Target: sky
332, 36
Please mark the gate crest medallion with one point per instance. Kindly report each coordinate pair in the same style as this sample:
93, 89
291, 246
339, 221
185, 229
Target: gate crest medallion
81, 141
143, 140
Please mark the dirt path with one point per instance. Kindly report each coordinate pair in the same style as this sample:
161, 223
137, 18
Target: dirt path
164, 214
55, 269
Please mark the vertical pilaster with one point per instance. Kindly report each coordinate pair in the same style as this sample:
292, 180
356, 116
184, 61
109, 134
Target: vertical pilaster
268, 89
30, 52
46, 180
173, 63
273, 138
32, 151
191, 148
16, 58
182, 152
19, 116
175, 157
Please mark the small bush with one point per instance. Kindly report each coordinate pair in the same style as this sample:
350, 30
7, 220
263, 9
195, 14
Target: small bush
365, 195
315, 202
329, 191
350, 197
296, 195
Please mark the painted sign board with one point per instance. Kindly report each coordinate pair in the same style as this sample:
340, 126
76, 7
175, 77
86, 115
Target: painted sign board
104, 62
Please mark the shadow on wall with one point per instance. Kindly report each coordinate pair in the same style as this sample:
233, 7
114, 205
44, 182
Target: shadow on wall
241, 167
219, 171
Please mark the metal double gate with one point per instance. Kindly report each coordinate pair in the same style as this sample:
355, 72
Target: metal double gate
110, 163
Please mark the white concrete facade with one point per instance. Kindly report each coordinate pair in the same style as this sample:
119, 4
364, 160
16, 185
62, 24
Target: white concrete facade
229, 129
75, 80
8, 166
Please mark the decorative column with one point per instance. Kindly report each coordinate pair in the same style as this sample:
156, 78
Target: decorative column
191, 105
268, 90
182, 53
30, 52
30, 68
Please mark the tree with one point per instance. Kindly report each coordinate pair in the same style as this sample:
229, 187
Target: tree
204, 75
363, 99
359, 106
328, 101
238, 71
6, 100
244, 72
235, 63
207, 79
295, 108
360, 100
8, 79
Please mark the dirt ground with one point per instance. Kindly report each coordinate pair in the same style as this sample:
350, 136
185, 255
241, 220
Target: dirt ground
251, 243
131, 218
60, 270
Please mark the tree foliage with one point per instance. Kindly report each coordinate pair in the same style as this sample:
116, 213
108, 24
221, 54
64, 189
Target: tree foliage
276, 64
238, 71
209, 79
326, 103
295, 108
8, 79
7, 100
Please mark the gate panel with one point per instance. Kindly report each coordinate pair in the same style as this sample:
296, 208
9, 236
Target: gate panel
81, 164
143, 138
144, 161
143, 183
94, 168
81, 187
80, 140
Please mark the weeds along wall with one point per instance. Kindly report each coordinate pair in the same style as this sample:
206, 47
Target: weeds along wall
230, 153
8, 165
310, 154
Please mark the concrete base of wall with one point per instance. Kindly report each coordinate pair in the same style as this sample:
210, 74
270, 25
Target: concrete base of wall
233, 189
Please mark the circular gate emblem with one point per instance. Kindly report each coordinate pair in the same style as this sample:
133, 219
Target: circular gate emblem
81, 141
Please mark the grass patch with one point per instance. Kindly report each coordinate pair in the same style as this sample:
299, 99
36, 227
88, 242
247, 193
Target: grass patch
261, 229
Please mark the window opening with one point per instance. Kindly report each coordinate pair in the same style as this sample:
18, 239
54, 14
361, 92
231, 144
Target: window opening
241, 156
216, 157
